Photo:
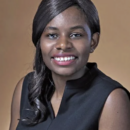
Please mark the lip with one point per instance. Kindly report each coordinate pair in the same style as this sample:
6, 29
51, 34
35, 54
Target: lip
63, 55
64, 63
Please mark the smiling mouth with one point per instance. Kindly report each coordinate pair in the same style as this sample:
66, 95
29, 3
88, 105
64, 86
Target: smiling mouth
64, 59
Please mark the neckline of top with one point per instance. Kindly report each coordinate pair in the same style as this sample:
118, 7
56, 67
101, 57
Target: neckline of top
85, 79
80, 83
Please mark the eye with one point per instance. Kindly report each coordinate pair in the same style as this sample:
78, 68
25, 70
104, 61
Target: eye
76, 35
52, 36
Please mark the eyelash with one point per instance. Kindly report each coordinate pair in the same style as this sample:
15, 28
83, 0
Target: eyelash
50, 36
77, 35
55, 36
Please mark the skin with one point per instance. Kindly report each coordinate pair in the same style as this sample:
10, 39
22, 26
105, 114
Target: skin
15, 106
116, 112
67, 33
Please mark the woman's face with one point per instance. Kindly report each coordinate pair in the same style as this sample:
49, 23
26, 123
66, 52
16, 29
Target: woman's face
66, 43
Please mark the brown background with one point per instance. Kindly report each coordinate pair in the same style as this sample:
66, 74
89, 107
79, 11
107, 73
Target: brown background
17, 50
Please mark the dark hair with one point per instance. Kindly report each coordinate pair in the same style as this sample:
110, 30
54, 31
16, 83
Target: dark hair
47, 10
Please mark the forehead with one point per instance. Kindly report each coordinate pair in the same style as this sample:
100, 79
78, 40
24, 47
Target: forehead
70, 17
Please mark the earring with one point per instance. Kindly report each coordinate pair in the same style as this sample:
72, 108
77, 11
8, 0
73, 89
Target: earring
92, 50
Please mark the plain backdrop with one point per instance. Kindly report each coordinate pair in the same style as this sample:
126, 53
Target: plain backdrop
17, 51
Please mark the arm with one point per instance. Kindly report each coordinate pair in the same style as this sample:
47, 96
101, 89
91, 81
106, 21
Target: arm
116, 112
15, 106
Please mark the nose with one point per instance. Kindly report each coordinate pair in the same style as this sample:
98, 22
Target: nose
64, 44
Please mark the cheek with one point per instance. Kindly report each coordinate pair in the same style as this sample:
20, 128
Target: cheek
45, 56
45, 50
46, 46
84, 51
85, 55
83, 48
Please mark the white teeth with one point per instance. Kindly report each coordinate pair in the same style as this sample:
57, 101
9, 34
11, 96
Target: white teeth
72, 57
61, 59
69, 58
64, 58
58, 59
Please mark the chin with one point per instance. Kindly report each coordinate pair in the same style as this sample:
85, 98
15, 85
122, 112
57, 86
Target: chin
64, 73
70, 73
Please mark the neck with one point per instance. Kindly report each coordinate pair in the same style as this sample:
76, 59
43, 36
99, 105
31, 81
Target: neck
60, 82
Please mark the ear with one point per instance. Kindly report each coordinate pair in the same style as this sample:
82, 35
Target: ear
94, 42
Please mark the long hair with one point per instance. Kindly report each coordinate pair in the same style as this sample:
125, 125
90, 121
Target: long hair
47, 10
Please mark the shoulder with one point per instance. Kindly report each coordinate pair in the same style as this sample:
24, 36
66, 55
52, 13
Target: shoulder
114, 100
107, 84
15, 106
106, 80
16, 101
21, 82
116, 111
18, 87
100, 78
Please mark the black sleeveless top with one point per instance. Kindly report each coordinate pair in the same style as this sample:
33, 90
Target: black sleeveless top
81, 105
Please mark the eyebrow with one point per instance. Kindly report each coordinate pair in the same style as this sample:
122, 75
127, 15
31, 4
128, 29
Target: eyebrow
77, 27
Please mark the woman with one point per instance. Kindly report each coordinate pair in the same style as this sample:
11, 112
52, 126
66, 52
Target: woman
65, 92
